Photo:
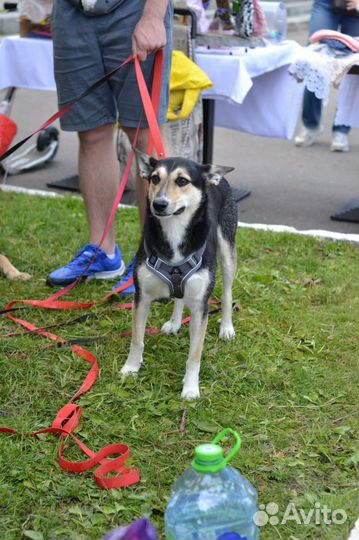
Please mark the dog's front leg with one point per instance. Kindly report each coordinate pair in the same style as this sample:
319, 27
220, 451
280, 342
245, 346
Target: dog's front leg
198, 327
174, 324
139, 319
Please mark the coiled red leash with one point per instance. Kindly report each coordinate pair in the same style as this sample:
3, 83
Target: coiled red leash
69, 416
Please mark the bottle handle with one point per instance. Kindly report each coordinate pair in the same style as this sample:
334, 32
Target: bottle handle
236, 447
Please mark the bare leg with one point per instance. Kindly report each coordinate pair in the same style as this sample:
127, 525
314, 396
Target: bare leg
142, 144
139, 319
198, 326
99, 181
173, 325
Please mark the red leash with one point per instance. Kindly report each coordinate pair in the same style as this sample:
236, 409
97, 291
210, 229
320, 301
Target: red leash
69, 416
63, 111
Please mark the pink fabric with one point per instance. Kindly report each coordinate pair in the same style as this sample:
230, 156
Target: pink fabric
349, 41
203, 22
259, 19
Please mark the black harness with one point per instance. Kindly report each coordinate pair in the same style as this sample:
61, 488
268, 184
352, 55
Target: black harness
175, 275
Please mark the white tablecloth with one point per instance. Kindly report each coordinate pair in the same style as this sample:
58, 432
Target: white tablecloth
26, 63
252, 87
348, 102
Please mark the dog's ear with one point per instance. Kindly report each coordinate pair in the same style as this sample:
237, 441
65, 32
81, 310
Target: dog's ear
214, 173
146, 164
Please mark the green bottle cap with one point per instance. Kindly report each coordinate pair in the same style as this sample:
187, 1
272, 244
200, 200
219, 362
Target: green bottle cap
208, 458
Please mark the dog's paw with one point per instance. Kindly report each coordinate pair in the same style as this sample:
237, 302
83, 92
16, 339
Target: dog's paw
227, 332
190, 393
129, 370
170, 327
21, 276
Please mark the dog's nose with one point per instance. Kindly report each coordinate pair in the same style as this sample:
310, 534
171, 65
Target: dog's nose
160, 204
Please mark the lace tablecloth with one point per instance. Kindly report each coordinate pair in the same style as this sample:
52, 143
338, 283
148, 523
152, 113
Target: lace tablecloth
319, 67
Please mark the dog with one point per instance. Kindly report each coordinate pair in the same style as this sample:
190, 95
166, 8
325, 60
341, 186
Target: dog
10, 271
191, 215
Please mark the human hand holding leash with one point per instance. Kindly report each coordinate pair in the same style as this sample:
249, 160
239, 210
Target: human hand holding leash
150, 32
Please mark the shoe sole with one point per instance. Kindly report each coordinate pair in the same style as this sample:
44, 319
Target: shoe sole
98, 275
339, 149
305, 144
108, 275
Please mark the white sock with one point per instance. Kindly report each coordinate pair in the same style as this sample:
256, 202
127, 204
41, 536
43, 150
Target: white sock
111, 255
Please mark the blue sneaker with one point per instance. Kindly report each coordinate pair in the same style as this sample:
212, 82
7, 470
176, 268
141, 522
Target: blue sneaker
129, 274
102, 268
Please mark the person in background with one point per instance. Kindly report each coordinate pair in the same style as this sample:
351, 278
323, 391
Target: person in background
92, 37
324, 17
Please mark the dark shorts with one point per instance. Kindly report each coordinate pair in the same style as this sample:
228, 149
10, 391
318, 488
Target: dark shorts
86, 48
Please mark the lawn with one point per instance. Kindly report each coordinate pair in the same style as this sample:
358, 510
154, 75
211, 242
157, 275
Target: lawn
288, 384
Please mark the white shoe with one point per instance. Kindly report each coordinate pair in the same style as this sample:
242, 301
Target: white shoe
308, 136
339, 142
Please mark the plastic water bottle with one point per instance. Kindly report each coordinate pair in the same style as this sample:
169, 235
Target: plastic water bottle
276, 21
212, 501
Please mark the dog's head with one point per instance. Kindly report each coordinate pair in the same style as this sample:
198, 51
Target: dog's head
177, 184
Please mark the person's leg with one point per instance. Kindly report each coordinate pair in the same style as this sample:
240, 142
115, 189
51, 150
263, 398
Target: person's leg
116, 43
93, 118
341, 129
312, 110
99, 181
322, 16
141, 194
349, 25
142, 144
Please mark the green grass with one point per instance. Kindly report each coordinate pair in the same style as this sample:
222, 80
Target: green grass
288, 383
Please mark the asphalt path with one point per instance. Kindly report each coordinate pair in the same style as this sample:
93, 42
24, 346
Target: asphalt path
298, 187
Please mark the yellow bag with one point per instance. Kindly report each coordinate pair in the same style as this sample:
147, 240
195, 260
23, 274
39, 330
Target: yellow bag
186, 84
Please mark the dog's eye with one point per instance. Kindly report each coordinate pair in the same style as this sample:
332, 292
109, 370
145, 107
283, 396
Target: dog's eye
181, 181
155, 179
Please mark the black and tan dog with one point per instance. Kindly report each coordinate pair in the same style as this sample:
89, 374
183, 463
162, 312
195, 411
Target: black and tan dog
191, 216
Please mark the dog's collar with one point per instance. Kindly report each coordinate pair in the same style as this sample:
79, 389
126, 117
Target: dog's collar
175, 275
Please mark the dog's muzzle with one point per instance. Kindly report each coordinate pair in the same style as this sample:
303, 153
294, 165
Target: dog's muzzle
160, 205
161, 208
